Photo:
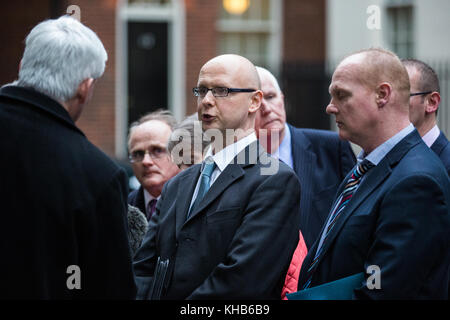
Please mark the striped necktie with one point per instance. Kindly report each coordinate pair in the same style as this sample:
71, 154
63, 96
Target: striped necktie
205, 179
345, 197
151, 208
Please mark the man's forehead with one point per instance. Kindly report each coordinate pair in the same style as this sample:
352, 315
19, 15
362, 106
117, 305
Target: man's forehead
151, 130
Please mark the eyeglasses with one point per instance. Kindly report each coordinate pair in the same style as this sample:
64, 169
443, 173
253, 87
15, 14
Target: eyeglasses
154, 153
217, 91
419, 93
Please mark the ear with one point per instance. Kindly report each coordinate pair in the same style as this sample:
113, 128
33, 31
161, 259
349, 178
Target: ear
84, 90
383, 94
432, 102
256, 101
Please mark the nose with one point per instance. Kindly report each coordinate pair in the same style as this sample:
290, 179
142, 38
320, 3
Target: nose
147, 161
331, 108
265, 109
208, 98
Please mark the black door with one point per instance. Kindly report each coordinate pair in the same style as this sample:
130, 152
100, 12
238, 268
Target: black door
147, 68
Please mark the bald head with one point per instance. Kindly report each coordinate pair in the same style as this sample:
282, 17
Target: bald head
236, 65
377, 66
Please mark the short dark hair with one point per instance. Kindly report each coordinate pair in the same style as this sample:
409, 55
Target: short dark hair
428, 80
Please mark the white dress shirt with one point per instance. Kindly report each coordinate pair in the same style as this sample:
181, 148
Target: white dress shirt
222, 159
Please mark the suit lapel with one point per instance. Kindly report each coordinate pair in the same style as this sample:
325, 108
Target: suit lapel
371, 181
439, 144
232, 172
304, 158
226, 178
184, 196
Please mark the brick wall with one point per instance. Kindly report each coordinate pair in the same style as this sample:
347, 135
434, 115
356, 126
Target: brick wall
304, 42
304, 30
201, 42
98, 118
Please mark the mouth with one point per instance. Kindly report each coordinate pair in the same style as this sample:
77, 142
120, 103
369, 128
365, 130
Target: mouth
270, 123
207, 118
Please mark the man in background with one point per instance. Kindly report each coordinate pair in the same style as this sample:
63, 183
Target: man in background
319, 158
63, 233
150, 159
424, 106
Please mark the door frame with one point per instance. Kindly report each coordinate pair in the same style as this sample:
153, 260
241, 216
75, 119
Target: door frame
174, 15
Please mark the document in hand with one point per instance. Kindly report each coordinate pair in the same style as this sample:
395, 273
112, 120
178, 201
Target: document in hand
341, 289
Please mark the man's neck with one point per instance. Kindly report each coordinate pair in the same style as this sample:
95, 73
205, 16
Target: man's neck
228, 138
426, 126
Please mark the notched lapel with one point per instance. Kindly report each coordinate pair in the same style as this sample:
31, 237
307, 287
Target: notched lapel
249, 156
231, 173
184, 196
372, 180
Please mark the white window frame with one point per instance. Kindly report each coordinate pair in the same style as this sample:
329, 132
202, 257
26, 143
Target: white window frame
174, 15
273, 28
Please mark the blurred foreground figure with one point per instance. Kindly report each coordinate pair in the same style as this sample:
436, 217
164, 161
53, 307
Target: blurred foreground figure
64, 230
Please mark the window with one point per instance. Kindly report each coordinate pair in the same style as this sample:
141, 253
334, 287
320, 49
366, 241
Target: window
254, 34
401, 30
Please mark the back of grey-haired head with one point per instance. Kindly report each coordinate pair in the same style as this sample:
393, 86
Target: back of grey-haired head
59, 54
162, 115
261, 70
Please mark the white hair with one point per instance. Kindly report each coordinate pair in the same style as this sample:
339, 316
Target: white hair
274, 80
60, 54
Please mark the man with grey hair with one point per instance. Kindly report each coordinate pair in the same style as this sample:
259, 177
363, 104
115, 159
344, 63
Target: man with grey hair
63, 233
423, 107
319, 158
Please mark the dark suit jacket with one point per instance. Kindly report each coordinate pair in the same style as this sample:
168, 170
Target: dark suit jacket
398, 220
321, 161
236, 245
63, 203
442, 148
136, 199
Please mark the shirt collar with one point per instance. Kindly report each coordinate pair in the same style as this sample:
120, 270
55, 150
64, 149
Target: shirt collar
382, 150
226, 155
284, 151
148, 197
431, 136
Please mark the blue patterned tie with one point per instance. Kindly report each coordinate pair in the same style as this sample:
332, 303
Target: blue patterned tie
205, 179
346, 195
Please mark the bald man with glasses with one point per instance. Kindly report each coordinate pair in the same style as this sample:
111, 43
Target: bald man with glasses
226, 228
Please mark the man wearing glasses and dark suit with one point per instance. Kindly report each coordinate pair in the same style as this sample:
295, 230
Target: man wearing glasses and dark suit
151, 162
226, 228
424, 105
